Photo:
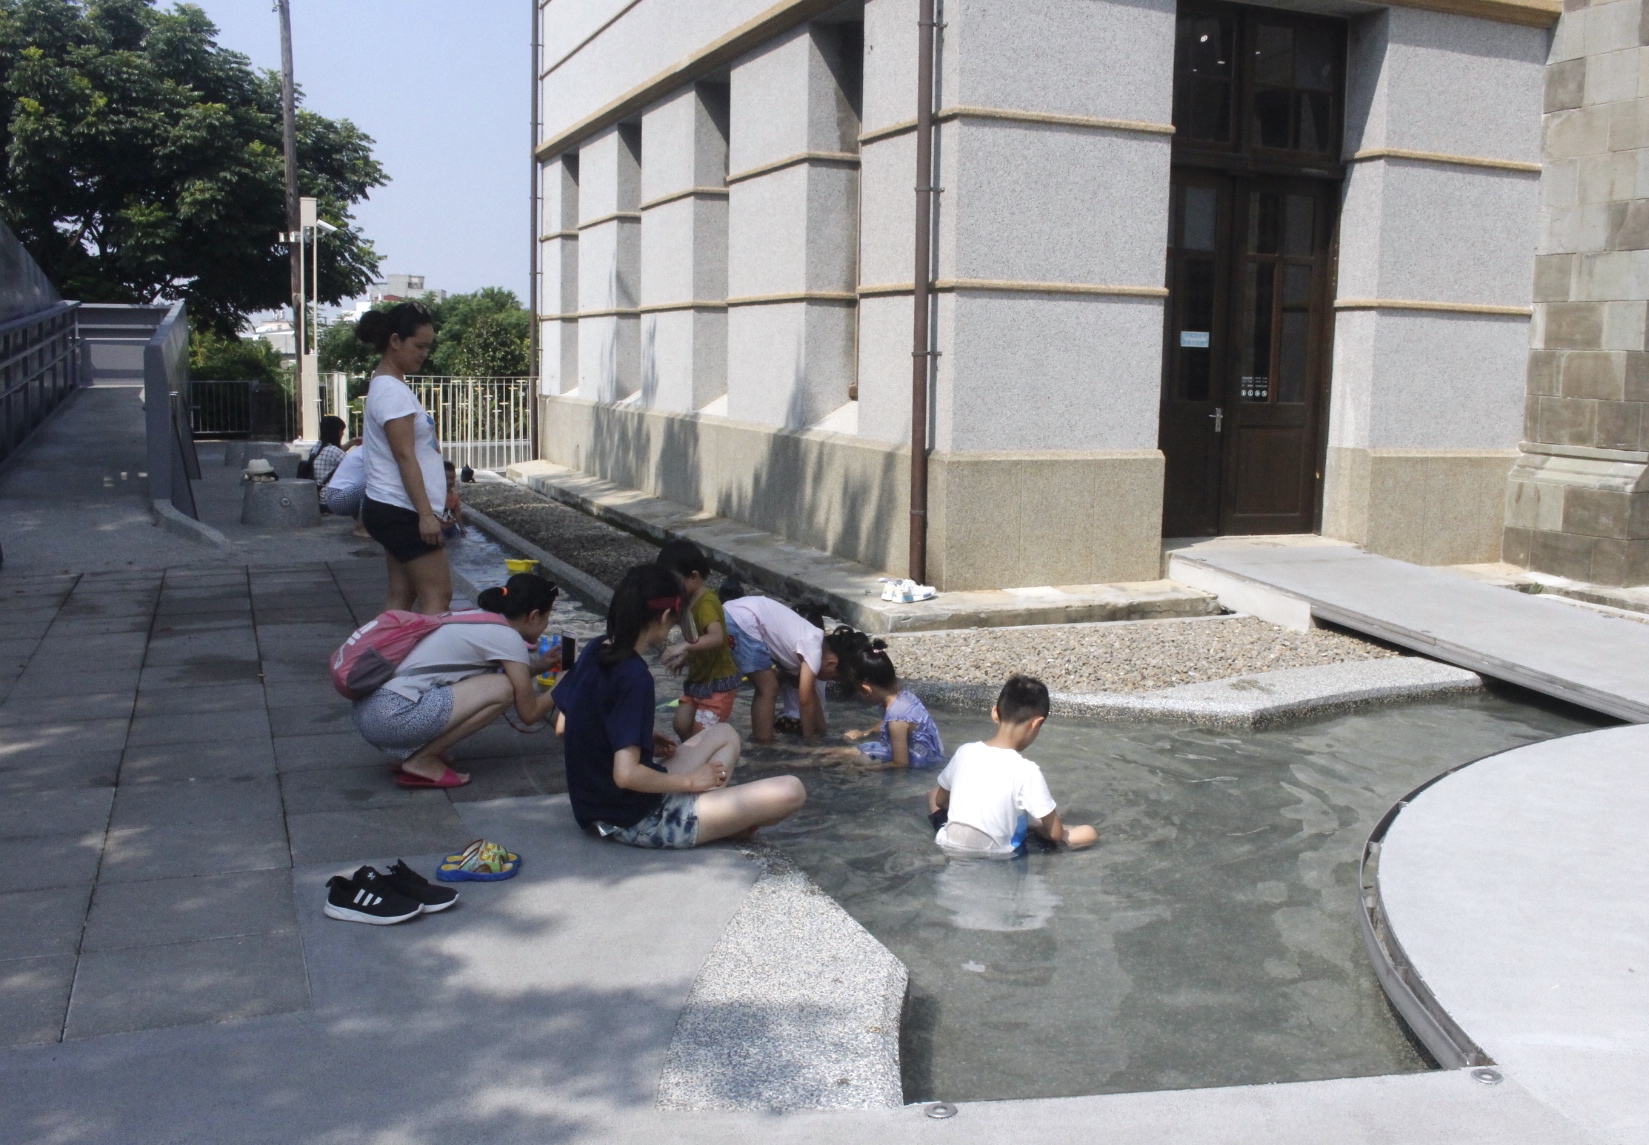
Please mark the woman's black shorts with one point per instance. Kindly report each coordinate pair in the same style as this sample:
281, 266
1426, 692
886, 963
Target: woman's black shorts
396, 529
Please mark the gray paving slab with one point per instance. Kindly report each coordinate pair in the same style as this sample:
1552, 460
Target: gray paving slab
194, 647
497, 778
21, 742
201, 672
326, 717
15, 651
34, 996
348, 837
92, 630
83, 659
1551, 646
162, 911
65, 811
42, 923
198, 827
303, 694
1515, 886
50, 685
47, 861
216, 980
172, 763
332, 749
96, 706
223, 698
241, 725
51, 772
365, 787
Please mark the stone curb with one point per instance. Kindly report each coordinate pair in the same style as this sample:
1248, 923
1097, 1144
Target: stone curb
579, 581
169, 518
797, 1007
1257, 700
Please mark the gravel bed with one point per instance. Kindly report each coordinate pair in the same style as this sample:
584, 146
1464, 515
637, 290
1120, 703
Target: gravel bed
582, 541
1128, 656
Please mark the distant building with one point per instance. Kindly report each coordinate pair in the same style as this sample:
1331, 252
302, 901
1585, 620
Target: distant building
278, 333
397, 287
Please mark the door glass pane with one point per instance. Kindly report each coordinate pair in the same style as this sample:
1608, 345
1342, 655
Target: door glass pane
1316, 132
1255, 379
1313, 59
1195, 303
1293, 354
1296, 286
1199, 226
1297, 236
1271, 127
1203, 62
1264, 222
1274, 55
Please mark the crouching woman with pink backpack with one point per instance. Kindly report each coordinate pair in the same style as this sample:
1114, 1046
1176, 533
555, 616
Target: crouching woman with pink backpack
422, 683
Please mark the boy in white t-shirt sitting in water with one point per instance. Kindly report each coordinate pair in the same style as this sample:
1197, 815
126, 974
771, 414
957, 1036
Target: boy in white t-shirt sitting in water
990, 798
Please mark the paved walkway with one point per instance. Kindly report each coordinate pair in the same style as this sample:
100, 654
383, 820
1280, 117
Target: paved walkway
1598, 661
1516, 887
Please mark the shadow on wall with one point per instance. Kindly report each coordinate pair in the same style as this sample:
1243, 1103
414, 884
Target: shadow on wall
816, 489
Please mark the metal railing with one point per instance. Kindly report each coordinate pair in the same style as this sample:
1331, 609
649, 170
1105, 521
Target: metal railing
481, 422
166, 410
39, 367
220, 408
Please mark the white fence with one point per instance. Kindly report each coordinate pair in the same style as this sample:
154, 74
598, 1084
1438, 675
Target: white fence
481, 422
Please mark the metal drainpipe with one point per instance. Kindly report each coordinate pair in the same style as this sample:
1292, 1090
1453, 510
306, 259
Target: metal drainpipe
535, 260
921, 352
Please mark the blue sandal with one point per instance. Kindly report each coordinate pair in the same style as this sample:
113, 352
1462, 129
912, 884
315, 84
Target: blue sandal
480, 862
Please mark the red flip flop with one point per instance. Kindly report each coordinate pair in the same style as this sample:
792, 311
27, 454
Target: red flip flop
449, 778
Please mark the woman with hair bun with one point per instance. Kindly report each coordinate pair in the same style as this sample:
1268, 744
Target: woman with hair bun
605, 714
460, 678
405, 479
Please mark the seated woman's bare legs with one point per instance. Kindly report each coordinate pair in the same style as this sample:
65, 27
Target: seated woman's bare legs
729, 812
431, 579
718, 742
476, 702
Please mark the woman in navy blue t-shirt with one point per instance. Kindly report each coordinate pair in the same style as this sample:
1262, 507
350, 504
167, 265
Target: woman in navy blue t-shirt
605, 714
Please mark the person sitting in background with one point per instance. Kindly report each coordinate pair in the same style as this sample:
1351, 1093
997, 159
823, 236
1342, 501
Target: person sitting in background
344, 490
712, 680
990, 798
907, 735
329, 451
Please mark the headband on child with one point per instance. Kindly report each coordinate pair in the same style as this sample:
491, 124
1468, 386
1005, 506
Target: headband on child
665, 604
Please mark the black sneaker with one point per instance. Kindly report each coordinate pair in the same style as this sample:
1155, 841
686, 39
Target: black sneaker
367, 897
403, 880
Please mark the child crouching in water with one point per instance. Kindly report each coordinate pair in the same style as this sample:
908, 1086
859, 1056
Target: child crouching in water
907, 735
990, 798
712, 679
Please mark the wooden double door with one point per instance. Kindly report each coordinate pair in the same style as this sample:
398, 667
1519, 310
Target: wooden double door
1245, 363
1256, 176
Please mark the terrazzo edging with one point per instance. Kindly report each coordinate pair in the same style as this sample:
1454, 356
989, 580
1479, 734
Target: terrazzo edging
1256, 700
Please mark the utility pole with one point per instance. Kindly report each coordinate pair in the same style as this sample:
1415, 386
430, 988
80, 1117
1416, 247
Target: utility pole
294, 218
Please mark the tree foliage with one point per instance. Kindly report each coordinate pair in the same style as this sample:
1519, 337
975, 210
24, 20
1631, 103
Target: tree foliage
219, 357
143, 161
479, 335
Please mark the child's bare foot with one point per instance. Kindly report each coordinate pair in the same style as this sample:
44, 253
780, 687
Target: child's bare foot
1081, 836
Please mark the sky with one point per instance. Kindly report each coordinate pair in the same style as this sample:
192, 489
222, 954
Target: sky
443, 88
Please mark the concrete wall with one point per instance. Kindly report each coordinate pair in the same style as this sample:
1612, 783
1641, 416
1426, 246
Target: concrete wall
609, 264
1577, 504
558, 291
1426, 403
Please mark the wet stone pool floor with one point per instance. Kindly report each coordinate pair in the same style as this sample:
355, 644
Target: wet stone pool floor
1211, 938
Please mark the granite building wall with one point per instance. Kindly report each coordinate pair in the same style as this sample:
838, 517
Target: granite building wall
1577, 503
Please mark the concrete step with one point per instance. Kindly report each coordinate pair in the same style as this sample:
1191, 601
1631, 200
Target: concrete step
851, 591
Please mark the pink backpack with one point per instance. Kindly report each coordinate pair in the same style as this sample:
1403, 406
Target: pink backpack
365, 662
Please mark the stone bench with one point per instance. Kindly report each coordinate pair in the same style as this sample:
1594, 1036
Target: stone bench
280, 504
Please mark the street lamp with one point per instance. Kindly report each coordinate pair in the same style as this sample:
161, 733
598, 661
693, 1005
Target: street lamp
306, 334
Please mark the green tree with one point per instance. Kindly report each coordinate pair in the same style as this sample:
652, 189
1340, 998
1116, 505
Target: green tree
218, 357
341, 352
143, 161
483, 335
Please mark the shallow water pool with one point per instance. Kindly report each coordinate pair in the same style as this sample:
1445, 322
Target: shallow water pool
1211, 938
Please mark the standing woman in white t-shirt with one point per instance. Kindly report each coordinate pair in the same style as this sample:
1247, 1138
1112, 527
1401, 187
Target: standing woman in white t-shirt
405, 480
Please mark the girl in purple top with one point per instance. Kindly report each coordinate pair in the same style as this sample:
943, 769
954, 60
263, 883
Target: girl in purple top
907, 736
